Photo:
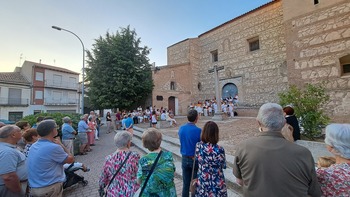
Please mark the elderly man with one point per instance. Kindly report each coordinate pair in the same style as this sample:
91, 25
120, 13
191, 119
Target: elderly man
269, 165
83, 128
13, 172
68, 134
45, 162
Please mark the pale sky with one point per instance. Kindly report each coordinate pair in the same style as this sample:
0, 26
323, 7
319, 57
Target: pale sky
26, 32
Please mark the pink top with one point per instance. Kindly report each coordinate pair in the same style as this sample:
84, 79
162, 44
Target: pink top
335, 180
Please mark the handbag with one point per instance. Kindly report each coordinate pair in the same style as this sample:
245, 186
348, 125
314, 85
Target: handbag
101, 190
193, 183
150, 173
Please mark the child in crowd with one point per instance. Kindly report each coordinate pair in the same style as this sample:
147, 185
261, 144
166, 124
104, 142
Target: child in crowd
325, 162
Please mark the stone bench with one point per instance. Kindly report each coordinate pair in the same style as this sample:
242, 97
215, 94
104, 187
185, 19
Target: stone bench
163, 124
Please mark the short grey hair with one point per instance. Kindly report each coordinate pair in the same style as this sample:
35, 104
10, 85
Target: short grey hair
6, 131
46, 127
338, 136
66, 119
84, 116
271, 116
122, 138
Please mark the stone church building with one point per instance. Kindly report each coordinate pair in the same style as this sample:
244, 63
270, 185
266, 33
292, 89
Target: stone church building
263, 51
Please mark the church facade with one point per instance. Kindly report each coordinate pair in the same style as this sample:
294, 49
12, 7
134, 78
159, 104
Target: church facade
263, 52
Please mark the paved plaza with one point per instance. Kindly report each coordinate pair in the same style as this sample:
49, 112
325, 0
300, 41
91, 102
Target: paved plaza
95, 160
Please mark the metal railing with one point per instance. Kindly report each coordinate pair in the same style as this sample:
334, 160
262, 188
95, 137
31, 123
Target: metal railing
62, 84
62, 101
5, 101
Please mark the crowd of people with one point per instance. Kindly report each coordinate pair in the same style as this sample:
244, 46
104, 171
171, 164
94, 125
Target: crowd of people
209, 107
269, 164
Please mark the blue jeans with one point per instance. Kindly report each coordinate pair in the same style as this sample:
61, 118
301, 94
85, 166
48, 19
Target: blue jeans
187, 165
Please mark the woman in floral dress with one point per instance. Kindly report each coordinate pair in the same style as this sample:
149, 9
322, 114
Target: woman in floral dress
335, 180
125, 183
211, 162
161, 182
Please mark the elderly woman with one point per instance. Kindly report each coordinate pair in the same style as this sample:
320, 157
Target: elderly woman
24, 126
335, 180
161, 181
124, 183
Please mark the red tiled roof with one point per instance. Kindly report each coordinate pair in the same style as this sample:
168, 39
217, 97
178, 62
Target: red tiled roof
53, 68
238, 17
13, 78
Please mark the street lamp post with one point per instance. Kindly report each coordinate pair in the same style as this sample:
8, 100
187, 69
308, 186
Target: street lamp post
82, 44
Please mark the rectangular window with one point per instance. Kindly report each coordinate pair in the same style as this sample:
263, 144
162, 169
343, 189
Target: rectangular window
254, 44
316, 2
214, 56
14, 96
346, 69
159, 98
345, 64
39, 76
15, 116
37, 112
38, 94
57, 96
72, 82
57, 80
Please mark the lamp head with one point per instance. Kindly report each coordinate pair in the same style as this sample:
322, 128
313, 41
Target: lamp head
58, 28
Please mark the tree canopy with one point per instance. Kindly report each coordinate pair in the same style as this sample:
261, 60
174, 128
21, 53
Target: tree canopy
118, 72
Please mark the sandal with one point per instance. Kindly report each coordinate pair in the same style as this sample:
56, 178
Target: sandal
84, 153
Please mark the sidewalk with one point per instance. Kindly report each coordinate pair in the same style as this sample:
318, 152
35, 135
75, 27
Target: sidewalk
95, 160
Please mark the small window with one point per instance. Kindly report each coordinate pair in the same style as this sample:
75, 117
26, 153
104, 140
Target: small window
15, 116
199, 86
38, 94
39, 76
159, 98
172, 85
345, 65
214, 56
346, 69
316, 2
254, 44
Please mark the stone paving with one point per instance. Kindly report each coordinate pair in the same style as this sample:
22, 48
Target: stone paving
94, 160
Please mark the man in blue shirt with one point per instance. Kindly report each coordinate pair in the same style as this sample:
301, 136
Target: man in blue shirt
189, 135
128, 125
68, 134
13, 172
45, 162
83, 128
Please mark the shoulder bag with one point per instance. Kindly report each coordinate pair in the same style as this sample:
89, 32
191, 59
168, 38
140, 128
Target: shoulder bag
150, 173
101, 191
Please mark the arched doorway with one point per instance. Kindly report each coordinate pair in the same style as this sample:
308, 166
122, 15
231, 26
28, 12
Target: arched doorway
229, 90
171, 103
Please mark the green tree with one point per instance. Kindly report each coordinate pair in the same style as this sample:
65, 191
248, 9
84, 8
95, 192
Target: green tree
308, 105
118, 72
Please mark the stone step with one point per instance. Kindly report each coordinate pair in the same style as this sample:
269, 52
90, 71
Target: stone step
173, 145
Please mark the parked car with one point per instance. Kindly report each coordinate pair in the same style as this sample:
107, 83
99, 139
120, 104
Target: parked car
7, 121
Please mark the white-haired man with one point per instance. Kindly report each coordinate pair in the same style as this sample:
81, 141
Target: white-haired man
269, 165
13, 172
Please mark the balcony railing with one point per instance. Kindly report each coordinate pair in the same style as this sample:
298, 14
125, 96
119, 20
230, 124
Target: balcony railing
62, 84
62, 101
5, 101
